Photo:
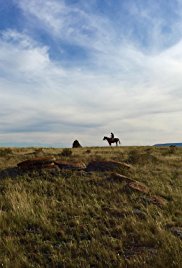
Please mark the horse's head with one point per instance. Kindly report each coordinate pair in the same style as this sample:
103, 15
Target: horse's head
105, 138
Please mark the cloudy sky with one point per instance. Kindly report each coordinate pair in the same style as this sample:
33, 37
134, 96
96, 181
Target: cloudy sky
77, 69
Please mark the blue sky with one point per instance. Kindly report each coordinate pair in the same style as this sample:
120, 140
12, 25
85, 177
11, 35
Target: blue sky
77, 69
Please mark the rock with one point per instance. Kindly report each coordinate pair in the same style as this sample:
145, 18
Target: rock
156, 200
138, 186
139, 213
70, 166
37, 163
106, 166
130, 183
120, 178
76, 144
177, 231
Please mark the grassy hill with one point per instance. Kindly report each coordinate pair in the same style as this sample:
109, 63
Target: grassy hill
54, 217
178, 144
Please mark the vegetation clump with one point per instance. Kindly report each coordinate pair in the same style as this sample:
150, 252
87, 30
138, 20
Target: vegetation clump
66, 152
5, 152
135, 157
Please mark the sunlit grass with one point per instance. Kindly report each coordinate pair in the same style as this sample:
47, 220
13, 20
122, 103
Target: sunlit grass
85, 219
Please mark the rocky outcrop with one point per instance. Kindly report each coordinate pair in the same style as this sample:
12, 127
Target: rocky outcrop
134, 185
37, 163
76, 144
48, 162
116, 177
156, 200
138, 186
177, 231
130, 184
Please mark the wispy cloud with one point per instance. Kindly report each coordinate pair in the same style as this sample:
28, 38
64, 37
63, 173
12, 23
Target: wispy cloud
127, 83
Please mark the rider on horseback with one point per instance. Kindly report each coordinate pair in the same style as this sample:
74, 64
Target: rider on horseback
111, 139
112, 136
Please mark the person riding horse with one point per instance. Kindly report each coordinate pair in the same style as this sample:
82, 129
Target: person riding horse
111, 139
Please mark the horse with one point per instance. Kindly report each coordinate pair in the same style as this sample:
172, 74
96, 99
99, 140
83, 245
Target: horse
112, 140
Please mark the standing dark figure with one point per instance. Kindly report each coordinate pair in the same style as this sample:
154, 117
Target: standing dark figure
112, 135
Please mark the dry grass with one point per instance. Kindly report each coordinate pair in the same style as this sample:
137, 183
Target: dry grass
86, 219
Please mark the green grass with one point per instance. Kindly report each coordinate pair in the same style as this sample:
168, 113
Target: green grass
86, 219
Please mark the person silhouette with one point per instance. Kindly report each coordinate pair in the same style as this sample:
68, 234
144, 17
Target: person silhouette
112, 135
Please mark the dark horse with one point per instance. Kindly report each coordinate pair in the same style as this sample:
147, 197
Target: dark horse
112, 140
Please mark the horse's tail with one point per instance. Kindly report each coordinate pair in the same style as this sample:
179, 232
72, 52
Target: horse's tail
119, 141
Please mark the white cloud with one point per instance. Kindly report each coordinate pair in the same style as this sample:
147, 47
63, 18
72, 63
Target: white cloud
69, 23
137, 95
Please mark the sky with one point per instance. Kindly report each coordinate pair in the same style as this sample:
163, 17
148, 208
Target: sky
77, 69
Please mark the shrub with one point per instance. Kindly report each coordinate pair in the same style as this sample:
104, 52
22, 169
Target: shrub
172, 149
133, 157
5, 152
66, 152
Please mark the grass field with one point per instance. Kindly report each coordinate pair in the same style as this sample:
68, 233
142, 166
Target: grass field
77, 218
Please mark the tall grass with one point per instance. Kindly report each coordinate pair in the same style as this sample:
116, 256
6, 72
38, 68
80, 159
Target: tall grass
86, 219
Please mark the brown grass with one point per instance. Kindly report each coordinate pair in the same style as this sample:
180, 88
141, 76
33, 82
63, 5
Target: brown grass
65, 218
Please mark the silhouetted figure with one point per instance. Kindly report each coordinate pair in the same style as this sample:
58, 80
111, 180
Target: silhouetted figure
110, 140
112, 135
76, 144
